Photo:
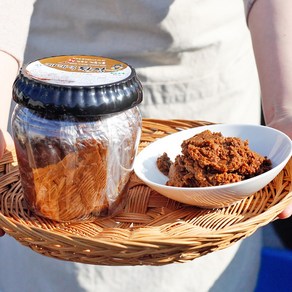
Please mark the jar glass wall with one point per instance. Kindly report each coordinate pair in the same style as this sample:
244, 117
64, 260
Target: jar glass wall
76, 134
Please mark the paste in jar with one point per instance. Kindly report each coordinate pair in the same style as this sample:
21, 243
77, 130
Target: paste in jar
76, 130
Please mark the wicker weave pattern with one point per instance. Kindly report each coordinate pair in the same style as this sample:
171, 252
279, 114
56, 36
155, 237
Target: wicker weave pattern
148, 229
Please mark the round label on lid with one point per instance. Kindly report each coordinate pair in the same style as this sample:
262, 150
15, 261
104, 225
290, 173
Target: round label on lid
78, 70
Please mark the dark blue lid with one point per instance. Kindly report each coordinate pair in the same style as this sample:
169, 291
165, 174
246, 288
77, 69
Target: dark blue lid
77, 85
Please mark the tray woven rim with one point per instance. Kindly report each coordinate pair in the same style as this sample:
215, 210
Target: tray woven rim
179, 233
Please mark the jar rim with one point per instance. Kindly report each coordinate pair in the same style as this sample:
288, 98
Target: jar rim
79, 85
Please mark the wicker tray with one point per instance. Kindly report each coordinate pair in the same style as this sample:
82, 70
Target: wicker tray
150, 229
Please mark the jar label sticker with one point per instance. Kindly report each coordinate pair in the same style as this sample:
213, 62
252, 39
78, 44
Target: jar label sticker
78, 70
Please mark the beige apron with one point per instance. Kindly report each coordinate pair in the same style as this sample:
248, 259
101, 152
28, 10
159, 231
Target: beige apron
195, 60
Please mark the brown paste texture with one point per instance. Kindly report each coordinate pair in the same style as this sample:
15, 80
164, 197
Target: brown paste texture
65, 186
210, 159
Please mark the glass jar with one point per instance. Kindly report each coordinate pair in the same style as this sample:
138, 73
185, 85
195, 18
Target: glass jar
76, 128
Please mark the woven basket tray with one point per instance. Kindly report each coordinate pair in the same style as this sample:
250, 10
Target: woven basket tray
150, 229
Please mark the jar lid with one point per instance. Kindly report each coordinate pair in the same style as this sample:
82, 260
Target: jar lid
78, 85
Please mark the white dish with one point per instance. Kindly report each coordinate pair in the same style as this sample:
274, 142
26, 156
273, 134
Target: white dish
265, 140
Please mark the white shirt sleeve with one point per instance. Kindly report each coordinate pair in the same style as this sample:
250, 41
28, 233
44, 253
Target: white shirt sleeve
14, 26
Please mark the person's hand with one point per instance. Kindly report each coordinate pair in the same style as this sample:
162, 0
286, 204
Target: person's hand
268, 22
286, 213
8, 71
5, 142
283, 122
2, 144
2, 149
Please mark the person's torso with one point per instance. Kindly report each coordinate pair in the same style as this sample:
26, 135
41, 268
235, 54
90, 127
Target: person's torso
194, 57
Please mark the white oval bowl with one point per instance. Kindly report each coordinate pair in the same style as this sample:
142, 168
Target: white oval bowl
264, 140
